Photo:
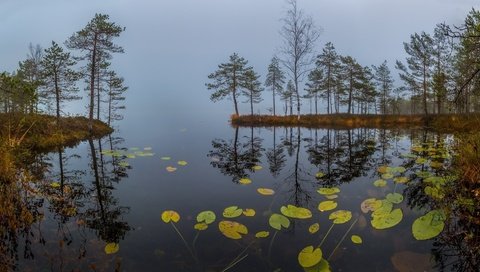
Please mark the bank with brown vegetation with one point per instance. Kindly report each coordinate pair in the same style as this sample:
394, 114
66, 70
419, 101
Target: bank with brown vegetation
444, 122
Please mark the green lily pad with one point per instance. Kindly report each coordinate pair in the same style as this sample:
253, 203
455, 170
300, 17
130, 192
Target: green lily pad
400, 180
387, 176
434, 192
319, 175
200, 226
429, 226
340, 216
380, 183
356, 239
232, 230
399, 169
420, 160
423, 174
385, 208
277, 221
322, 266
262, 234
395, 198
131, 156
123, 164
296, 212
310, 256
265, 191
370, 205
314, 228
436, 164
328, 191
387, 220
182, 163
327, 205
208, 217
435, 180
232, 212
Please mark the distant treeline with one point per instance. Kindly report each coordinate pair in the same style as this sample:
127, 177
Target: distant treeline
49, 77
441, 74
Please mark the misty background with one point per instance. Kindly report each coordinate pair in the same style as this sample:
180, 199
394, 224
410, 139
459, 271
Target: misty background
171, 46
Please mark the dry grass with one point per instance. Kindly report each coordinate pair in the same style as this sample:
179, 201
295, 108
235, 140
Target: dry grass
445, 122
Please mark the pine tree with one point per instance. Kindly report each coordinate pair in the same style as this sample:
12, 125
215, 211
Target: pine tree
275, 79
352, 75
384, 83
316, 81
116, 89
328, 62
252, 88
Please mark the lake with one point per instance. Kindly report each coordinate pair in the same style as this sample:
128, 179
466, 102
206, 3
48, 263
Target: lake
108, 195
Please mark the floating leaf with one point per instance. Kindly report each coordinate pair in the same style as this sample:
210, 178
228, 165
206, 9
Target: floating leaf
314, 228
437, 181
387, 176
200, 226
309, 256
232, 230
423, 174
380, 183
385, 208
296, 212
434, 192
384, 169
55, 184
328, 191
322, 266
165, 158
327, 205
331, 196
398, 169
262, 234
277, 221
400, 180
257, 168
112, 248
356, 239
395, 198
265, 191
131, 156
387, 220
340, 216
429, 226
370, 205
170, 215
171, 169
245, 181
182, 163
436, 164
232, 212
420, 160
123, 164
249, 212
207, 217
319, 175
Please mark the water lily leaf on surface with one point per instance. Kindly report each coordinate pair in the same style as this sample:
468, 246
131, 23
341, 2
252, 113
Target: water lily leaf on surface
328, 191
123, 164
55, 184
200, 226
429, 225
400, 180
387, 176
322, 266
398, 169
387, 220
420, 160
434, 192
171, 169
265, 191
245, 181
232, 212
314, 228
277, 221
327, 205
435, 180
296, 212
356, 239
249, 212
423, 174
131, 156
384, 169
165, 158
331, 196
310, 256
262, 234
319, 175
257, 168
395, 198
232, 230
207, 217
380, 183
385, 208
340, 216
182, 163
170, 215
436, 164
112, 248
370, 205
417, 148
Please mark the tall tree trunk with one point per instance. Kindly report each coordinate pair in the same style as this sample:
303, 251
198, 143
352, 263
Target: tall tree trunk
425, 87
273, 92
57, 98
92, 83
251, 102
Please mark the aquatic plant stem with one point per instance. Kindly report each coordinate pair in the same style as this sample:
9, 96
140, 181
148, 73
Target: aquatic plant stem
271, 244
325, 237
184, 241
194, 242
235, 263
236, 259
343, 238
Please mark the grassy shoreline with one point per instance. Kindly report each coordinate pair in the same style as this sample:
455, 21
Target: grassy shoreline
445, 122
41, 132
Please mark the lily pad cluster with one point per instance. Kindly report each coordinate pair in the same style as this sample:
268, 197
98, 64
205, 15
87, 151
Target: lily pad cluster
383, 214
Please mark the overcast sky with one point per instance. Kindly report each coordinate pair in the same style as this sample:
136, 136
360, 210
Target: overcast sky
171, 46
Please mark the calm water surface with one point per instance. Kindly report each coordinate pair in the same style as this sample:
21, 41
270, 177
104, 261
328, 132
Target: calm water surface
96, 193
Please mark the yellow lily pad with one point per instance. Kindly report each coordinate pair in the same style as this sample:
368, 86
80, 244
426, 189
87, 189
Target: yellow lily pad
257, 168
245, 181
265, 191
340, 216
296, 212
55, 184
182, 163
314, 228
380, 183
328, 191
387, 176
370, 205
356, 239
249, 212
400, 180
112, 248
171, 169
232, 212
386, 220
327, 205
319, 175
262, 234
232, 230
331, 196
200, 226
169, 215
309, 256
